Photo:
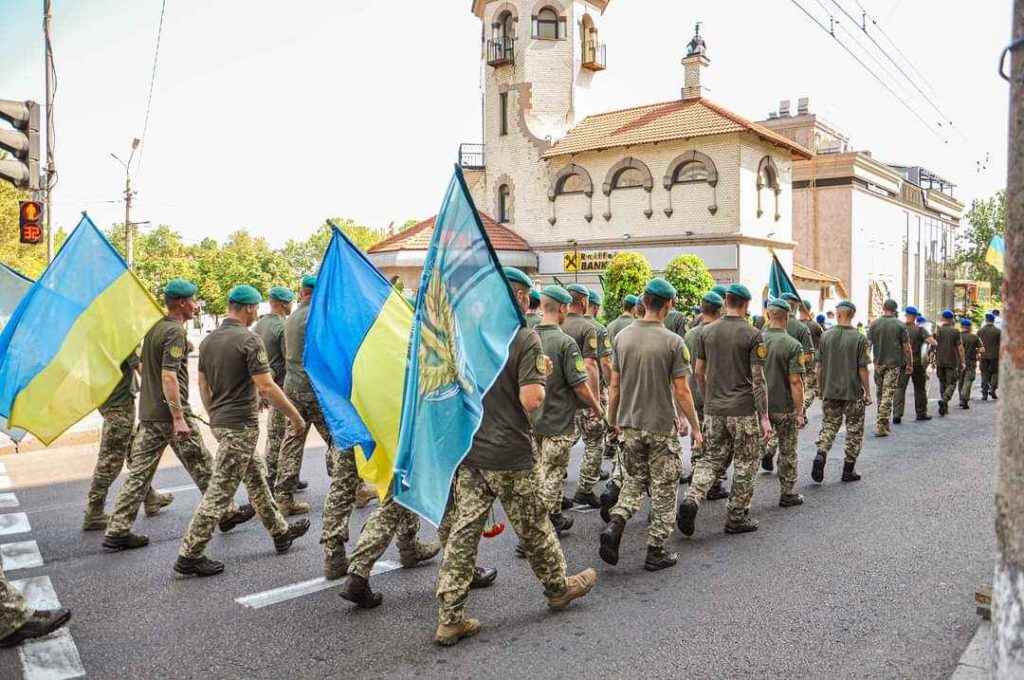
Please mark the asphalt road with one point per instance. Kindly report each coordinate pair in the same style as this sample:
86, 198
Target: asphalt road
873, 579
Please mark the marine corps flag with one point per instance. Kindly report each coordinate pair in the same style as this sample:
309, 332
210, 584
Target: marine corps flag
464, 322
779, 282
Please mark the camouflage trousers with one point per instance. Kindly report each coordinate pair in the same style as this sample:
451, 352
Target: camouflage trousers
115, 447
277, 424
554, 467
948, 378
651, 464
386, 522
289, 459
147, 447
475, 493
989, 375
886, 380
966, 383
14, 611
725, 437
835, 411
593, 430
236, 463
340, 499
786, 436
810, 380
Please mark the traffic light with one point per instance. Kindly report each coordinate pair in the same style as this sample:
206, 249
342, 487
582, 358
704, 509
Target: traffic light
30, 215
23, 142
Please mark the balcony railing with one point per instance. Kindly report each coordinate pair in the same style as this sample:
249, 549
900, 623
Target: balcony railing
595, 55
471, 156
501, 51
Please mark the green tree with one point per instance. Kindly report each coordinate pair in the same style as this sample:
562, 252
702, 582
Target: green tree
627, 273
691, 278
303, 257
409, 224
160, 255
986, 218
206, 258
364, 237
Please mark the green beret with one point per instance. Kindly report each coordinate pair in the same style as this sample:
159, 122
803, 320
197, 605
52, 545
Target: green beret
846, 304
740, 291
891, 305
309, 282
513, 275
807, 305
594, 298
579, 289
661, 288
534, 295
791, 297
781, 303
281, 294
245, 295
632, 300
558, 294
720, 290
180, 289
714, 299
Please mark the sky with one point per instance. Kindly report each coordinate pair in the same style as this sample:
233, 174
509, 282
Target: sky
273, 116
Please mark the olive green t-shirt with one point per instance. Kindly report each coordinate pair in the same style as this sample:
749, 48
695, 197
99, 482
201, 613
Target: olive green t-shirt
887, 335
731, 349
917, 335
532, 320
579, 328
617, 324
229, 357
972, 343
785, 356
947, 353
504, 440
164, 347
675, 321
990, 336
271, 331
604, 343
691, 340
801, 334
558, 414
126, 389
647, 356
844, 351
295, 345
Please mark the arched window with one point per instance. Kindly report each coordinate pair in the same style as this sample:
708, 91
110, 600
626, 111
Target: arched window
691, 169
628, 178
690, 172
505, 26
571, 184
547, 25
571, 180
504, 203
629, 173
768, 178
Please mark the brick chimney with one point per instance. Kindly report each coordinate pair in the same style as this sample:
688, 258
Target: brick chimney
695, 60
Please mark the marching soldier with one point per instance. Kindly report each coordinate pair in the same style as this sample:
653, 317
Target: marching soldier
118, 413
271, 331
949, 359
783, 369
890, 346
730, 374
845, 391
990, 336
584, 333
624, 319
919, 337
710, 310
590, 467
973, 349
233, 374
533, 316
165, 419
811, 372
799, 332
649, 374
507, 473
676, 321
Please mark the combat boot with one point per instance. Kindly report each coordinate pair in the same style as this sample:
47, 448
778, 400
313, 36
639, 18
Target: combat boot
42, 623
943, 407
289, 506
818, 468
356, 590
993, 394
687, 478
201, 566
232, 519
578, 586
768, 462
364, 494
335, 561
984, 395
302, 485
157, 502
560, 522
686, 516
412, 553
964, 405
881, 432
125, 542
610, 538
659, 558
788, 500
449, 634
95, 519
896, 420
567, 503
926, 416
604, 475
717, 491
295, 530
848, 474
483, 577
588, 499
608, 500
742, 526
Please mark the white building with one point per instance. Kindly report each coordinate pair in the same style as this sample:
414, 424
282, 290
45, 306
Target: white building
684, 176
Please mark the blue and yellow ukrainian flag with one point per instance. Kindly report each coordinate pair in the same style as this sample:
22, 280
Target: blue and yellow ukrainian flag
357, 347
61, 351
465, 321
996, 253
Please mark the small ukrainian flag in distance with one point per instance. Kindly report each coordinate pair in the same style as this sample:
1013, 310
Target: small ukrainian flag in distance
996, 251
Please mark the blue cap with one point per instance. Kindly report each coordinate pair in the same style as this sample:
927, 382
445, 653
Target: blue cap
631, 300
713, 299
989, 316
594, 298
661, 288
781, 303
180, 289
948, 314
740, 291
534, 295
720, 289
309, 282
965, 322
921, 319
281, 294
514, 275
558, 294
579, 289
912, 310
245, 295
820, 318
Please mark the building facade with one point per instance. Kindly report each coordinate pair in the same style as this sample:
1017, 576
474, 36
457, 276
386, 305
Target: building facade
883, 230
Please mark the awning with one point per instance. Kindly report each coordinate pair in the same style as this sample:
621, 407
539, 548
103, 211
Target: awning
802, 274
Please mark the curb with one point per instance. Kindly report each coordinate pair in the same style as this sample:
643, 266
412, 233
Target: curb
976, 661
72, 438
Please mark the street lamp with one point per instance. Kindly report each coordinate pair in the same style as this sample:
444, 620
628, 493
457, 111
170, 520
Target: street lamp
129, 232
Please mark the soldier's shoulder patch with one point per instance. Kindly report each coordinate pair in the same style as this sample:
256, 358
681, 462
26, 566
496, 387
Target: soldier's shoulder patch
593, 342
607, 342
175, 351
762, 351
579, 363
686, 353
542, 363
802, 359
261, 356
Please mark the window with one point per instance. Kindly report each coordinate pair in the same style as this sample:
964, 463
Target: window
689, 173
628, 178
503, 113
547, 25
504, 27
504, 203
571, 184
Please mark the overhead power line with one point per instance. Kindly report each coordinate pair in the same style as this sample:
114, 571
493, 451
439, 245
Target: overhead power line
152, 82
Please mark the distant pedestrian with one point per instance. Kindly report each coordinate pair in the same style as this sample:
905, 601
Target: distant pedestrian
892, 355
949, 359
973, 350
990, 336
920, 341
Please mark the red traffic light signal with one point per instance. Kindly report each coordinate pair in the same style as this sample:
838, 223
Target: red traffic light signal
30, 214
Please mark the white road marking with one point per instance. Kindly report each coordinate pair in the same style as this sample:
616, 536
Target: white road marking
53, 657
176, 489
289, 592
38, 592
5, 482
14, 523
583, 509
8, 500
3, 468
20, 555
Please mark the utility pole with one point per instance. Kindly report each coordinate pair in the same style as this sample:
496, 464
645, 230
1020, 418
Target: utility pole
1008, 581
51, 168
129, 228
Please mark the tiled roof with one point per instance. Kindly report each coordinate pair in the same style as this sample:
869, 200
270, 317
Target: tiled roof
418, 237
679, 119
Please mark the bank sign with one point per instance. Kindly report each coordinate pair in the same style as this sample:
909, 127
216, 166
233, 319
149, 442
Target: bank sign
575, 261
